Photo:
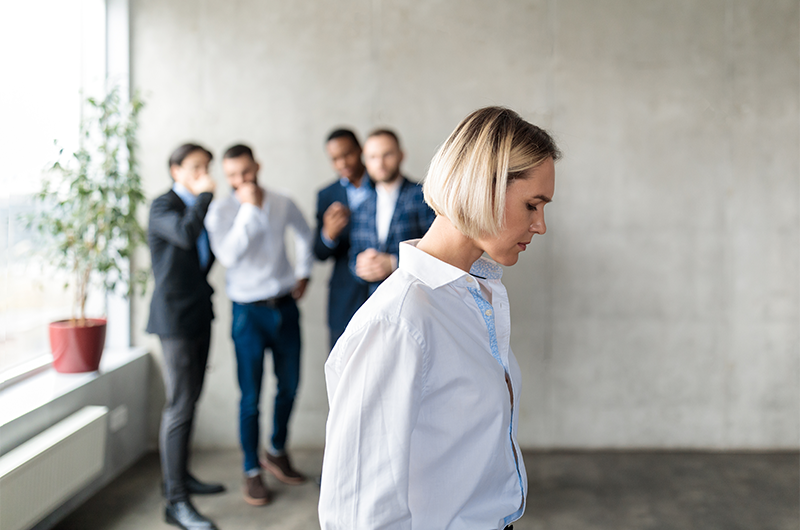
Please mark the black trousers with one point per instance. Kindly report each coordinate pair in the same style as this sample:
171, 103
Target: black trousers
184, 371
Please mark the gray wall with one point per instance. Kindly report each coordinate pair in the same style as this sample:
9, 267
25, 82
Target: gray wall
661, 309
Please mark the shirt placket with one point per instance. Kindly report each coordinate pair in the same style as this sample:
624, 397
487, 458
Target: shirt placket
488, 313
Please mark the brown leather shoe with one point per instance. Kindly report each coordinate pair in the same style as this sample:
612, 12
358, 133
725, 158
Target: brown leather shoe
281, 467
255, 491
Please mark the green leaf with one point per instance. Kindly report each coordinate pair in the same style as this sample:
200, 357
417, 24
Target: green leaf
88, 201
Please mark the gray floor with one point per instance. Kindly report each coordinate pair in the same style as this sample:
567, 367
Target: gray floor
568, 491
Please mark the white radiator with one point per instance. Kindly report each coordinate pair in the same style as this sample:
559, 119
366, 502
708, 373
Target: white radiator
42, 473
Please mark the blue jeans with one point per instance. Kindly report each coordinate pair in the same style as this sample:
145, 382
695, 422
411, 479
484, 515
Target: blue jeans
256, 328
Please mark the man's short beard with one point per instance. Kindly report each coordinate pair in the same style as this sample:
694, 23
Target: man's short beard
393, 177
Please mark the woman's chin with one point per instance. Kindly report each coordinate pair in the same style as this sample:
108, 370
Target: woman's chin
506, 260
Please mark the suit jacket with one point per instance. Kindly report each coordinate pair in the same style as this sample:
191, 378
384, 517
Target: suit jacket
346, 293
411, 219
181, 303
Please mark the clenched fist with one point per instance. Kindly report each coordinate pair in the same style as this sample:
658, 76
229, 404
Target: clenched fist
334, 220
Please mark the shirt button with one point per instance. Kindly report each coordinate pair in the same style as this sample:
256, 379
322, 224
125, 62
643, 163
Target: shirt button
469, 279
488, 312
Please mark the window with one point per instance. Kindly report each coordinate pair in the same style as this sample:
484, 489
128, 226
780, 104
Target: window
54, 54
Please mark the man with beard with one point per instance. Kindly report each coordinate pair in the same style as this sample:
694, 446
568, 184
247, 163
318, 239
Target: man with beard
393, 212
247, 233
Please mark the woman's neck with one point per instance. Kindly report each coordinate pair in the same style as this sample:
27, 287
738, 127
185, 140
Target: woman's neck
445, 242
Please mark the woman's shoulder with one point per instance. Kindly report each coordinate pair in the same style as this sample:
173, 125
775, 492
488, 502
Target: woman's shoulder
398, 301
388, 321
401, 295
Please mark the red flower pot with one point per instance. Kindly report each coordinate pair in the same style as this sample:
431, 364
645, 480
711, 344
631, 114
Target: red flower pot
77, 348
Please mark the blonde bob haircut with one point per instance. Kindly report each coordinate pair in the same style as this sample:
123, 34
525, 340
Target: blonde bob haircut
468, 176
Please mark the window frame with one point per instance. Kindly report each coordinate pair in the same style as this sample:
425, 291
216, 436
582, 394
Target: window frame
115, 72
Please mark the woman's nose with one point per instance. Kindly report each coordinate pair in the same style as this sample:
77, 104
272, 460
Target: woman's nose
538, 226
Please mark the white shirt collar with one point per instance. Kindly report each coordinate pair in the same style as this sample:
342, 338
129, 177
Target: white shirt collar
435, 272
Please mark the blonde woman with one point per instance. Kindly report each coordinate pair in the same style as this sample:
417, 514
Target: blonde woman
422, 385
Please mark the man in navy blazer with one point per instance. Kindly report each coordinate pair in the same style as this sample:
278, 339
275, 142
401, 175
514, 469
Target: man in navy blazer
180, 314
335, 204
394, 211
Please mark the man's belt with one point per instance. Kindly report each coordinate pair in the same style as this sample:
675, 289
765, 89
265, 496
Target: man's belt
272, 302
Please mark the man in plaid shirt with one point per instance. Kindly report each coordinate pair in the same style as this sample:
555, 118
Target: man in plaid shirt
393, 212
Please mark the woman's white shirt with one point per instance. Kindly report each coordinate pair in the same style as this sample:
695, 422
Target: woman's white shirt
421, 432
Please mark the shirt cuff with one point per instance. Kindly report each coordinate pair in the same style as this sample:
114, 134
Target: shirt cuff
302, 272
247, 214
327, 242
248, 209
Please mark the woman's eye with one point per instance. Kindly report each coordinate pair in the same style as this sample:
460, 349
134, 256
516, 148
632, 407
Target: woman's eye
531, 207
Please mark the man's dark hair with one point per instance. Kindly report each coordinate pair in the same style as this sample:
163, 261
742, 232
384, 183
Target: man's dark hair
179, 155
386, 132
343, 133
239, 150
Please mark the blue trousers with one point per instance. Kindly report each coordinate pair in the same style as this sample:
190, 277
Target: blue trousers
255, 329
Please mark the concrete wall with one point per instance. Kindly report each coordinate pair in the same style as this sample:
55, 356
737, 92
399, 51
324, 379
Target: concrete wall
662, 307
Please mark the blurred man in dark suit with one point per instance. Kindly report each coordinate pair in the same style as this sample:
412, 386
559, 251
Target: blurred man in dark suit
181, 314
335, 203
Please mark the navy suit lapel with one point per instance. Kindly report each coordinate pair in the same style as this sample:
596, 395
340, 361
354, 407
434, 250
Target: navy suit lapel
180, 207
176, 201
340, 194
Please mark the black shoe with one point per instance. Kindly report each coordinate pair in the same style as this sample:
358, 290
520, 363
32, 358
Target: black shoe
195, 487
183, 515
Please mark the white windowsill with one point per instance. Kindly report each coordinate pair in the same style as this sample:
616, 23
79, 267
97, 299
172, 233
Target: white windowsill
40, 389
24, 370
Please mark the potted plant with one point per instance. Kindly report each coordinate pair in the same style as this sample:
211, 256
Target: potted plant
87, 220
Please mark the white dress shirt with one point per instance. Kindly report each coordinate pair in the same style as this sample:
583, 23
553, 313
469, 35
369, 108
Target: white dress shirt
249, 242
386, 201
422, 427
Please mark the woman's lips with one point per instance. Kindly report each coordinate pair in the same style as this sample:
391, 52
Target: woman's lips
522, 246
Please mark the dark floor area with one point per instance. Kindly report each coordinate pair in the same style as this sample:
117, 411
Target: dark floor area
567, 491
